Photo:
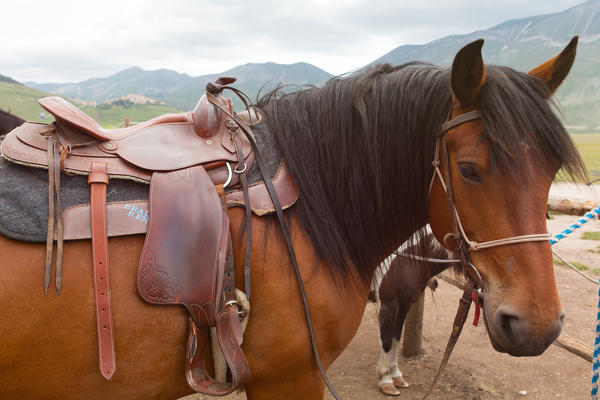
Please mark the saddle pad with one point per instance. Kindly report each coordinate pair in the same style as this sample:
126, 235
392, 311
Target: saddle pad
24, 198
24, 193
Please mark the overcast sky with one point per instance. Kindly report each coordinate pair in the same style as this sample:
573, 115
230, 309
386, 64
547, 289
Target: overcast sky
70, 41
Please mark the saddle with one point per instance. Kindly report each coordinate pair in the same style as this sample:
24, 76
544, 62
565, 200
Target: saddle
188, 159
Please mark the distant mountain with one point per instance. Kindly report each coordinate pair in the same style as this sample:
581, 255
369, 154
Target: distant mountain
521, 43
7, 79
525, 43
181, 90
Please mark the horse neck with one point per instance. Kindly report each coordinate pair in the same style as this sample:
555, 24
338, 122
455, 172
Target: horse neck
362, 166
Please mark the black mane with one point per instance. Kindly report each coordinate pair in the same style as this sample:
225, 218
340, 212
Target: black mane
360, 150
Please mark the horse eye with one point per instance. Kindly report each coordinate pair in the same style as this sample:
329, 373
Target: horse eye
469, 171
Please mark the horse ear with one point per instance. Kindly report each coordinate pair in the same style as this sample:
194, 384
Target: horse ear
554, 71
468, 74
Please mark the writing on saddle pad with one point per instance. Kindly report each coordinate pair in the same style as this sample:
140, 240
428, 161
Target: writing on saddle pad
137, 213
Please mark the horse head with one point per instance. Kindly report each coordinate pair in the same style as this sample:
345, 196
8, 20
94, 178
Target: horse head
498, 156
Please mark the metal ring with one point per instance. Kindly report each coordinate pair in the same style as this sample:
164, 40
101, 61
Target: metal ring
231, 302
242, 171
230, 175
477, 272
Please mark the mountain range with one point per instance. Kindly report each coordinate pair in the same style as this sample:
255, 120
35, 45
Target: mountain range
181, 90
521, 43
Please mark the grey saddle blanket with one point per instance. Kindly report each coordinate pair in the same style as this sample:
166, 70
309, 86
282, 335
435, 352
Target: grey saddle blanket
24, 191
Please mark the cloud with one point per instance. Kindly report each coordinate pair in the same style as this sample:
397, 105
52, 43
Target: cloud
72, 41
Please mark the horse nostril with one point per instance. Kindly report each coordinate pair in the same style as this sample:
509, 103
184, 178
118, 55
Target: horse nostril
509, 325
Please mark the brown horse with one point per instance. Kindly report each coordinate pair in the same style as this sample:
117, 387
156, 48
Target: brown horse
360, 150
8, 122
397, 285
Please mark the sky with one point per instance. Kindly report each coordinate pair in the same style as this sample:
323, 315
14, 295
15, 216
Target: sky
71, 41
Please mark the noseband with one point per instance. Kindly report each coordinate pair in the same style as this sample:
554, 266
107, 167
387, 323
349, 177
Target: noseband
463, 243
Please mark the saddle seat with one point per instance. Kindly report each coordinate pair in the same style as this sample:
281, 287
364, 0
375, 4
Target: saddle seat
67, 113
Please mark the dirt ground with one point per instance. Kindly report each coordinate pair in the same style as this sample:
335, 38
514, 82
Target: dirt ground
475, 370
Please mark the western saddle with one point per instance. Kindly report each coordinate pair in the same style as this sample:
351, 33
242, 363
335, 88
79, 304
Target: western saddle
187, 259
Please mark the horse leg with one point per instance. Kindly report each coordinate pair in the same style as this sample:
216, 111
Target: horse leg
387, 348
391, 321
397, 377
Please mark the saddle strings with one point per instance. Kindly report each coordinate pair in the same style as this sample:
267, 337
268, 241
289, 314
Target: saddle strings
55, 220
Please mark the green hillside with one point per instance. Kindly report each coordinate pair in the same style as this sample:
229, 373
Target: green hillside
23, 102
110, 116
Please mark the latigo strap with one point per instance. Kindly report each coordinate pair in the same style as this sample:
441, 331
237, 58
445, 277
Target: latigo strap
98, 181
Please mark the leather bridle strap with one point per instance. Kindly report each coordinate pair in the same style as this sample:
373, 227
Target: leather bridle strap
461, 119
248, 209
288, 239
447, 186
464, 245
98, 181
459, 321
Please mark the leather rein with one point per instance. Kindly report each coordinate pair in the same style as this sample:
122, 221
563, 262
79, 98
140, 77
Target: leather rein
214, 89
475, 287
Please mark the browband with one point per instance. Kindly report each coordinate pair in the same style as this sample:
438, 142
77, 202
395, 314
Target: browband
461, 119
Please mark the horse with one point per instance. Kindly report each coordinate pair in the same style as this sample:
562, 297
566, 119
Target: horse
360, 150
8, 122
397, 285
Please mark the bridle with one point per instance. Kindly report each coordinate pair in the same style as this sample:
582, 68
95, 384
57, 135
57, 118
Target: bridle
475, 286
463, 243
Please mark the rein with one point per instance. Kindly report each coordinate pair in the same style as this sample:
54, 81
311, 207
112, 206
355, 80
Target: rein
284, 227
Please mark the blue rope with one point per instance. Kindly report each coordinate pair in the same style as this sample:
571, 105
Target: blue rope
596, 357
577, 224
596, 364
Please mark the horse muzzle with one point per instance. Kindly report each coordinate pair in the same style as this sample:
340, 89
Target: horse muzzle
511, 332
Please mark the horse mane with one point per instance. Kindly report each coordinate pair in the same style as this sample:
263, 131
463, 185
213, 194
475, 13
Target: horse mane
8, 121
360, 150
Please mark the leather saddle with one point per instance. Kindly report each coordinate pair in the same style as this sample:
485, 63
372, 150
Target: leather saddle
188, 159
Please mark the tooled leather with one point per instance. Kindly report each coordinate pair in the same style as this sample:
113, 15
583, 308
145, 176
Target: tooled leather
182, 246
155, 281
98, 181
